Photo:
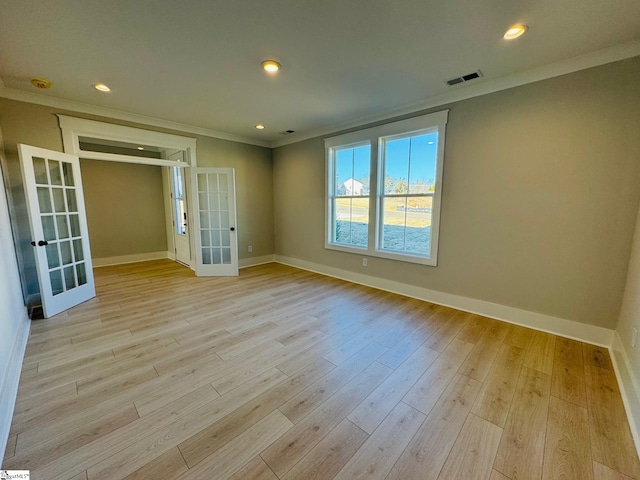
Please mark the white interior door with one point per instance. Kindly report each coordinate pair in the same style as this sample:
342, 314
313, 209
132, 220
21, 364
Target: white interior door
216, 240
60, 239
180, 216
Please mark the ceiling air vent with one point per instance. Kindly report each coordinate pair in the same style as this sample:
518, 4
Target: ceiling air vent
287, 132
464, 78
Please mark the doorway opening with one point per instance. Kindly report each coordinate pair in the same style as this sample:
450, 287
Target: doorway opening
173, 153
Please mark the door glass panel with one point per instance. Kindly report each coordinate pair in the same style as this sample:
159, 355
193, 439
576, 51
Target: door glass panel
69, 277
82, 274
217, 256
65, 253
71, 200
224, 220
206, 256
40, 171
204, 220
44, 200
202, 183
203, 200
223, 182
48, 230
205, 238
78, 252
215, 220
226, 255
213, 202
213, 183
225, 238
215, 238
63, 226
58, 200
56, 282
67, 169
53, 259
54, 172
224, 201
74, 221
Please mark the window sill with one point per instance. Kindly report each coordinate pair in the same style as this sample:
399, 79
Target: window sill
400, 257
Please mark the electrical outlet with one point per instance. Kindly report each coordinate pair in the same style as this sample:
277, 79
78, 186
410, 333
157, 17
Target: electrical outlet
250, 248
364, 262
634, 337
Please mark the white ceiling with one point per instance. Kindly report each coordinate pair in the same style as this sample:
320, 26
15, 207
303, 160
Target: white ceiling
198, 62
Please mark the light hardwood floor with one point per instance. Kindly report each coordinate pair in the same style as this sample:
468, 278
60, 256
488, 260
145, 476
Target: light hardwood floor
285, 374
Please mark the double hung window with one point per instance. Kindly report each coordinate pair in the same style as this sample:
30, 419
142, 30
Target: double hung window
384, 189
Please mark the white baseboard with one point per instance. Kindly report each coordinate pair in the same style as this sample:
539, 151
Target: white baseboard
546, 323
629, 388
253, 261
137, 257
9, 384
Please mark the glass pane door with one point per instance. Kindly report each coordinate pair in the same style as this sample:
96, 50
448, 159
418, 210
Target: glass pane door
216, 240
58, 227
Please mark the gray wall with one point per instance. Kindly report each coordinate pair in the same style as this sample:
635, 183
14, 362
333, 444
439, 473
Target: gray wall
125, 208
540, 195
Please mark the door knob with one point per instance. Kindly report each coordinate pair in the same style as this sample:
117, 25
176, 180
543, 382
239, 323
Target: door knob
42, 243
233, 229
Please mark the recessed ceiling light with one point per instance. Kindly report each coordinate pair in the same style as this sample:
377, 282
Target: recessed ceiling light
271, 66
515, 32
102, 87
260, 126
140, 148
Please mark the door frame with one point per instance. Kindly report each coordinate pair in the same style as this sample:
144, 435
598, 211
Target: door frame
74, 128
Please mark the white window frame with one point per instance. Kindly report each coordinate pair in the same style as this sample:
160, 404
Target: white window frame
375, 136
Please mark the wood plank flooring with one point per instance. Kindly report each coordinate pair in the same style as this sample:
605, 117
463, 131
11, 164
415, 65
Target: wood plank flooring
285, 374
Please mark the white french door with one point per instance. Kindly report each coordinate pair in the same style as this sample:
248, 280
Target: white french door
216, 242
57, 217
180, 216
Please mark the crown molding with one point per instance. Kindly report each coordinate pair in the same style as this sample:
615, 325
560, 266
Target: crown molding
73, 106
464, 91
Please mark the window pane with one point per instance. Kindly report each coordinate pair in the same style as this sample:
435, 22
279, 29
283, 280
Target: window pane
71, 200
53, 259
65, 250
40, 171
352, 221
407, 224
352, 168
63, 226
206, 256
56, 282
67, 168
422, 163
44, 200
396, 166
48, 228
75, 225
393, 223
82, 274
78, 252
69, 278
58, 199
224, 187
54, 172
204, 220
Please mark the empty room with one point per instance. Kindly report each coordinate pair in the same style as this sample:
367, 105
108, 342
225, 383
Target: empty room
320, 240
